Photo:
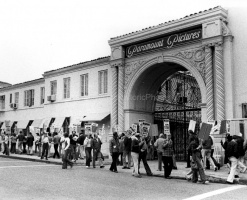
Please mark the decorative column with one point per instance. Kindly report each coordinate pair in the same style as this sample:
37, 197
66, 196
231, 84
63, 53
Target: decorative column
114, 113
120, 98
209, 82
219, 75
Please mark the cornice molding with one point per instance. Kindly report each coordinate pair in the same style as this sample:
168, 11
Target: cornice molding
176, 25
77, 67
25, 84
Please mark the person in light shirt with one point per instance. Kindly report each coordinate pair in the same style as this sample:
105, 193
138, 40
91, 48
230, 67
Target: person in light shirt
66, 150
45, 142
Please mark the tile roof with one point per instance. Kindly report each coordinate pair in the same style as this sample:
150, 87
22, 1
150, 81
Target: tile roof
19, 84
148, 28
97, 60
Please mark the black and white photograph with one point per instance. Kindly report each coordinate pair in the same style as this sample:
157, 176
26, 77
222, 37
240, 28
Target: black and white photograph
123, 100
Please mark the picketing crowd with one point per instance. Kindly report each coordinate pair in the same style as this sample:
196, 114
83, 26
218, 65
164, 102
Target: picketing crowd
129, 149
201, 156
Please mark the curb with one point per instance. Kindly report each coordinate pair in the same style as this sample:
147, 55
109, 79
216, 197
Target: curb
45, 161
211, 179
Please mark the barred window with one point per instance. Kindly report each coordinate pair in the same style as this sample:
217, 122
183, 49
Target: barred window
84, 85
17, 97
29, 98
103, 82
66, 83
10, 98
53, 87
42, 95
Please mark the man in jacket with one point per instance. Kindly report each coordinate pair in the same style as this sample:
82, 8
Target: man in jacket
56, 141
206, 152
143, 156
241, 152
114, 151
159, 145
135, 150
127, 150
96, 146
167, 156
232, 152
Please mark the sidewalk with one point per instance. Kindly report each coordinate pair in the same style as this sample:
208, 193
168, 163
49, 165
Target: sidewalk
219, 176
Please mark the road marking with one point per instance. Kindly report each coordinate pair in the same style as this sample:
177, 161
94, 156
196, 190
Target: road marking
13, 161
6, 167
216, 192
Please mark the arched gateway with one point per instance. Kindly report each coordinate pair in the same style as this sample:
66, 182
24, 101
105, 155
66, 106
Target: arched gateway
188, 53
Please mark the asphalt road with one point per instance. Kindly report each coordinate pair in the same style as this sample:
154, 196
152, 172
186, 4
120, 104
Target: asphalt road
33, 180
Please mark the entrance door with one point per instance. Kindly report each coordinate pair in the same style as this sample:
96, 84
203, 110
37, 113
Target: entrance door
178, 100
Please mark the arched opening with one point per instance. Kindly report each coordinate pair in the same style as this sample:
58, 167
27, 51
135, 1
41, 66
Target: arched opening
150, 97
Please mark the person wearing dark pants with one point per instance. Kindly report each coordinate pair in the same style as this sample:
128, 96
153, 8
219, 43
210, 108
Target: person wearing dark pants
56, 141
65, 152
45, 141
196, 157
88, 149
143, 157
114, 151
159, 146
167, 156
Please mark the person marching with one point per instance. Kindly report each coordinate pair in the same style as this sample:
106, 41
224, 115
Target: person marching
127, 150
167, 156
45, 146
66, 150
96, 146
143, 156
159, 146
114, 151
88, 149
135, 150
196, 156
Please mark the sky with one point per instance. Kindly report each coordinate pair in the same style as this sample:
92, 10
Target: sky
43, 35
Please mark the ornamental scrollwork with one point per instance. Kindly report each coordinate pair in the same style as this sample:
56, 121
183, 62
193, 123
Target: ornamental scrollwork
131, 68
196, 57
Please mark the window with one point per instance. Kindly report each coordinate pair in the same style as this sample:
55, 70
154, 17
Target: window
42, 95
66, 89
103, 82
29, 98
2, 102
53, 87
10, 98
84, 85
17, 97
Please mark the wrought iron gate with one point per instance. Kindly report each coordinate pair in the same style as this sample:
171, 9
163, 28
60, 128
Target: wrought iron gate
178, 100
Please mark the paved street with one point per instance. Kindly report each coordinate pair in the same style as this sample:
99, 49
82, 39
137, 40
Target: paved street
33, 180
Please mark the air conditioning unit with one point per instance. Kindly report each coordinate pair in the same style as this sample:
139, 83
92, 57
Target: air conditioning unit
11, 105
15, 105
48, 98
53, 97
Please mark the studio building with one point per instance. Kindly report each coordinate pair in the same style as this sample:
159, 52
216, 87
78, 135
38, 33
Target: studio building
191, 68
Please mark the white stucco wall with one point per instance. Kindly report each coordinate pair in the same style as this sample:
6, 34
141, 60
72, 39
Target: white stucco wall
238, 26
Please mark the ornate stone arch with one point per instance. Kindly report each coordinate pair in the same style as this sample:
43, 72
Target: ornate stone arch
163, 59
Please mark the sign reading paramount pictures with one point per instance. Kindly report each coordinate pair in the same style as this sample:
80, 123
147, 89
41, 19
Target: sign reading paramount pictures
164, 42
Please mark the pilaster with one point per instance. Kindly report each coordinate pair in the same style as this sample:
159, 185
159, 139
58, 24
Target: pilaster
121, 98
209, 82
219, 83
